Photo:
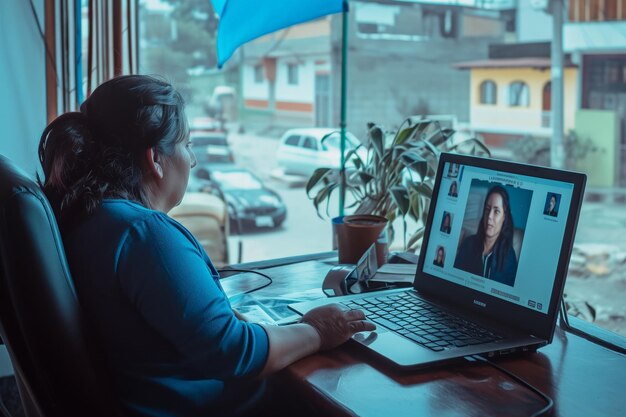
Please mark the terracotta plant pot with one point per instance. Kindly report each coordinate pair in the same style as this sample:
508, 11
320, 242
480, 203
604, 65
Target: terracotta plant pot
356, 234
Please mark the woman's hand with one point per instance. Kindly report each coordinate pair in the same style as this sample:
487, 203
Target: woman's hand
335, 325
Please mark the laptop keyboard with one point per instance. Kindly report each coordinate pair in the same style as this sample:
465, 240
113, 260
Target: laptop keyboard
422, 322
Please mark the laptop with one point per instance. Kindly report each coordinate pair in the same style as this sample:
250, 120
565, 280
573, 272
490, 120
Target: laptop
491, 270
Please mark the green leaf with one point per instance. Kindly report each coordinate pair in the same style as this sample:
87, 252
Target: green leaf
326, 136
475, 143
425, 189
317, 176
415, 238
405, 134
377, 140
439, 136
400, 196
414, 161
414, 205
323, 194
421, 127
364, 177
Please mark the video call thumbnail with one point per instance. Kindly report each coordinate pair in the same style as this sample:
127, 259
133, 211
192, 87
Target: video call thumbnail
440, 256
552, 204
446, 222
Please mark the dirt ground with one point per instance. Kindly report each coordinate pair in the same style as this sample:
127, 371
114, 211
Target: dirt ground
596, 282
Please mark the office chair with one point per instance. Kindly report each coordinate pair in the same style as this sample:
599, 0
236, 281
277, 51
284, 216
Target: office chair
58, 370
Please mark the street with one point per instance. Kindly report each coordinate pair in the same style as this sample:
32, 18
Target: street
303, 231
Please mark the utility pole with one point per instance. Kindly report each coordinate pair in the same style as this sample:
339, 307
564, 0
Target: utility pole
557, 150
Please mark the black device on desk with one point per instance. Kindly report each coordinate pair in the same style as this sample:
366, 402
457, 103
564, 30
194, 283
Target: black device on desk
344, 279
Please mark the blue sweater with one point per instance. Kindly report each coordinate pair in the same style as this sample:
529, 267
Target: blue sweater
149, 289
470, 258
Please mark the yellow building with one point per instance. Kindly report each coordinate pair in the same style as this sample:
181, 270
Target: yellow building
511, 97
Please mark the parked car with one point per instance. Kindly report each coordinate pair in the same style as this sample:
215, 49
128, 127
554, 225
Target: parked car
303, 150
222, 104
250, 202
211, 147
211, 124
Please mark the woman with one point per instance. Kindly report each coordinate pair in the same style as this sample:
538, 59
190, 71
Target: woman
489, 253
174, 344
446, 223
551, 207
440, 257
453, 190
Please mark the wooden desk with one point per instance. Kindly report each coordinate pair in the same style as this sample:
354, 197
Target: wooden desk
582, 378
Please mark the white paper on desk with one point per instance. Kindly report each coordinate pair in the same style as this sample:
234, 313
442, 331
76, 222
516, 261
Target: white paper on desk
395, 273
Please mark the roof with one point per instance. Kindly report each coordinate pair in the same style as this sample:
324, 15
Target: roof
536, 63
313, 131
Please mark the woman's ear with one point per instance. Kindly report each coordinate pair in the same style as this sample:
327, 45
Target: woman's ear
154, 162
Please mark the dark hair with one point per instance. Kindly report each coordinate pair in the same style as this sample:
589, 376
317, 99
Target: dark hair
505, 240
96, 153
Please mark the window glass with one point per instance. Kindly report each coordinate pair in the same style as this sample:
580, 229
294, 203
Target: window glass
518, 94
292, 74
488, 92
309, 143
258, 73
292, 140
433, 59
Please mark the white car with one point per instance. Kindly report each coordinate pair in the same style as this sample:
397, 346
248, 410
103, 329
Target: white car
301, 151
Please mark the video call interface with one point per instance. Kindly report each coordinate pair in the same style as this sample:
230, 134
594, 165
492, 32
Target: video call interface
499, 233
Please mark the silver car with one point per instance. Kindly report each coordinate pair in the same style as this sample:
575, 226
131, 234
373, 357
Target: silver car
301, 151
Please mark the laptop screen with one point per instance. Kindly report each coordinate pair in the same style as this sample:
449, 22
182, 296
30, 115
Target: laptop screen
498, 233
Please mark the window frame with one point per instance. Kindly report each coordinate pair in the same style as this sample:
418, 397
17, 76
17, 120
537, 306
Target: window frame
483, 91
516, 99
258, 75
293, 73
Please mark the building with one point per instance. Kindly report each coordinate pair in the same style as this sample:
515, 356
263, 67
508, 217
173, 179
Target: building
510, 93
285, 76
399, 64
595, 36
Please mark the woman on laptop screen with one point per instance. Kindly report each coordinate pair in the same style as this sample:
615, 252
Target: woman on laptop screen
489, 252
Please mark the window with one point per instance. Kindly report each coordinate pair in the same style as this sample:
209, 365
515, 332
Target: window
397, 46
292, 74
309, 143
518, 94
258, 74
488, 92
292, 140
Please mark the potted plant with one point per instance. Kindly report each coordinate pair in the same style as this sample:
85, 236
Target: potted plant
396, 178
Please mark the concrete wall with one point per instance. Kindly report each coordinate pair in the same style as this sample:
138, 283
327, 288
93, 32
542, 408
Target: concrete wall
391, 79
304, 90
22, 82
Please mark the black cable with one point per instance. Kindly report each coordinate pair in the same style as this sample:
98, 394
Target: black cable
545, 397
267, 284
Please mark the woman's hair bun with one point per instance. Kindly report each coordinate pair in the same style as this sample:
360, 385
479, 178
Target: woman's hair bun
65, 147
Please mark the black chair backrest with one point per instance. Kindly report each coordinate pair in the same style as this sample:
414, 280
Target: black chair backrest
57, 364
